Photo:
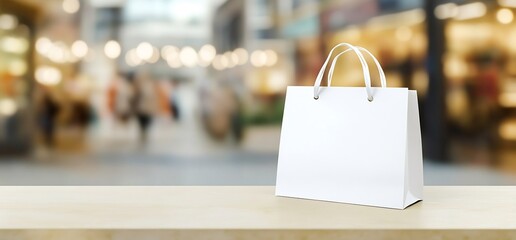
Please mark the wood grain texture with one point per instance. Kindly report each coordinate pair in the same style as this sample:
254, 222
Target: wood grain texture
257, 234
246, 208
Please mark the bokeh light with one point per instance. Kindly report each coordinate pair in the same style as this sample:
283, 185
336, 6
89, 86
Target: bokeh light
258, 58
132, 59
7, 106
144, 51
188, 56
71, 6
242, 55
112, 49
8, 22
207, 53
48, 75
271, 57
17, 67
79, 49
504, 16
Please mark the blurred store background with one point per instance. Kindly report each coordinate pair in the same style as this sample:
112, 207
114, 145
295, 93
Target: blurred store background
191, 92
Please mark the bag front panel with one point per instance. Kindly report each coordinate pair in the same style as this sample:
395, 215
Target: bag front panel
342, 147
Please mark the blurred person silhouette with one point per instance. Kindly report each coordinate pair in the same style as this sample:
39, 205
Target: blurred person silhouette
222, 113
47, 112
174, 101
146, 102
486, 91
81, 114
237, 123
487, 86
121, 96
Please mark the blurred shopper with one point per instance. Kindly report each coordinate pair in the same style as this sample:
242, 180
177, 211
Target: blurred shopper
47, 112
222, 113
485, 98
121, 97
146, 102
174, 101
237, 122
81, 114
487, 91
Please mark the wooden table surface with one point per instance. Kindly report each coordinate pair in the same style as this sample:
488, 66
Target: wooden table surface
246, 208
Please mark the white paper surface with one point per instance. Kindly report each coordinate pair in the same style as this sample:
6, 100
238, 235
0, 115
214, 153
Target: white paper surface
344, 148
414, 171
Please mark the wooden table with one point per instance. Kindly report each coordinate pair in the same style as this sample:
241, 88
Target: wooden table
247, 212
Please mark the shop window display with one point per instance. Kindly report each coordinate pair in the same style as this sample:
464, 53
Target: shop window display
15, 42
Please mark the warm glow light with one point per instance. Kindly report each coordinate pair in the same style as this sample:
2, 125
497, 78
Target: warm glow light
447, 10
271, 58
234, 58
224, 61
507, 99
132, 59
144, 50
219, 62
48, 75
112, 49
207, 53
57, 52
504, 16
8, 22
277, 81
171, 55
14, 45
404, 34
188, 56
507, 130
71, 6
471, 10
455, 67
18, 67
230, 58
258, 58
79, 49
242, 55
7, 106
169, 52
154, 57
43, 45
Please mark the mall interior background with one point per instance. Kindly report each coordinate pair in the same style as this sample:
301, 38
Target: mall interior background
182, 92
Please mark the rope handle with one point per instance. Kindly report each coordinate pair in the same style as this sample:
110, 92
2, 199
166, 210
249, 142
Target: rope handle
365, 69
383, 80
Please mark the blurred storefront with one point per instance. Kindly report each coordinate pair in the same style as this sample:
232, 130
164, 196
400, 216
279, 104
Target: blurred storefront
255, 66
17, 28
223, 67
396, 33
472, 67
480, 72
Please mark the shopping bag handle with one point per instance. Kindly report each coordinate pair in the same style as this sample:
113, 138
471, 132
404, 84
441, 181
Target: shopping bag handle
365, 70
378, 66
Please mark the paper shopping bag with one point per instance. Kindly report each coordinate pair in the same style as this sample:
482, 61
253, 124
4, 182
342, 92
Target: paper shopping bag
358, 145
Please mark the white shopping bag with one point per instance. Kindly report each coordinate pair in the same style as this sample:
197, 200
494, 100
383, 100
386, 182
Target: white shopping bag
359, 145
